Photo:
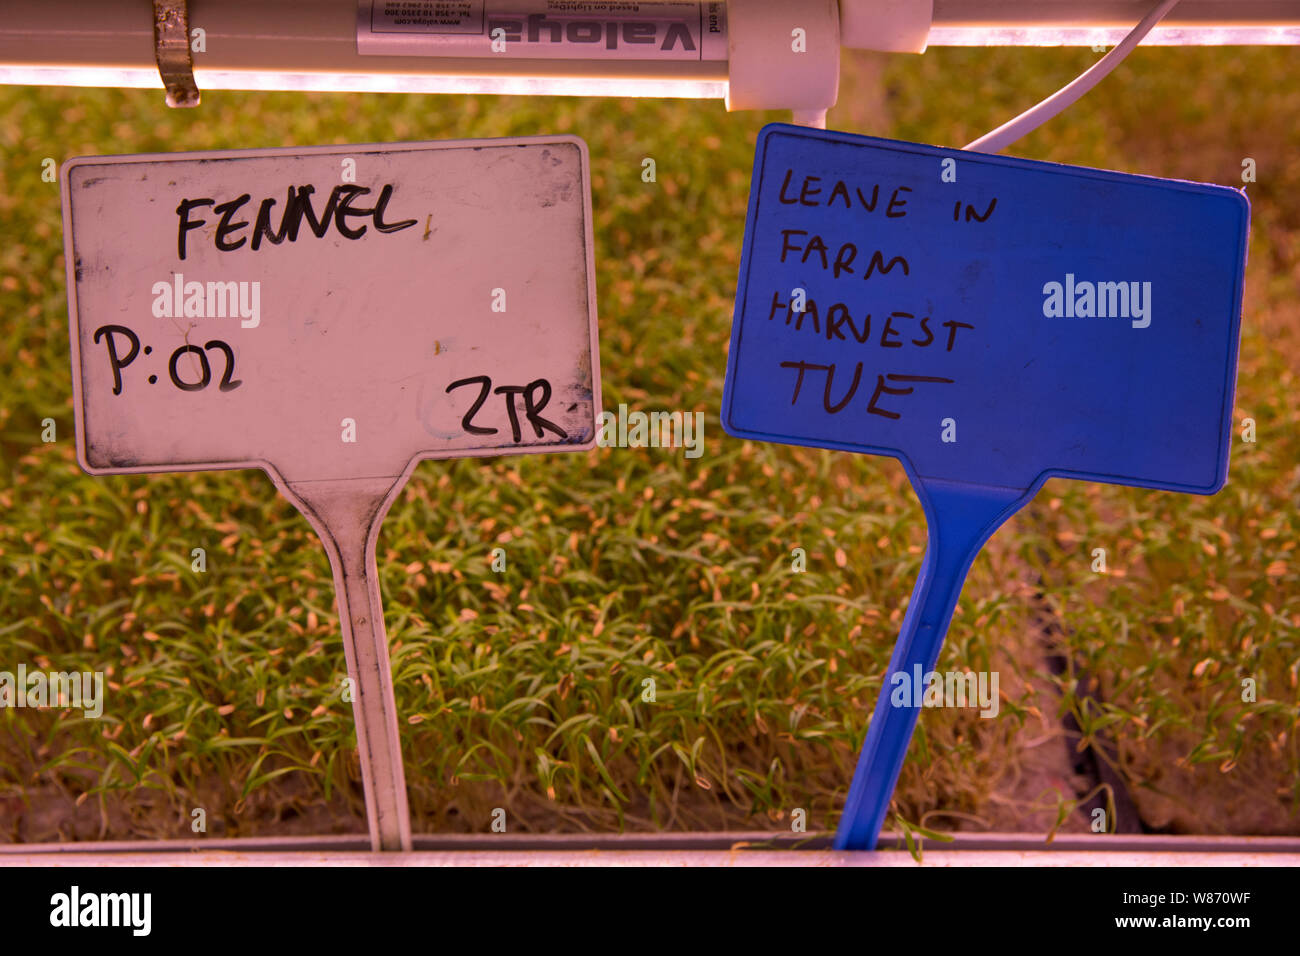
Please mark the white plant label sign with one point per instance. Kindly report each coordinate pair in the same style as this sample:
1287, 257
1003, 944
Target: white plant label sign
333, 315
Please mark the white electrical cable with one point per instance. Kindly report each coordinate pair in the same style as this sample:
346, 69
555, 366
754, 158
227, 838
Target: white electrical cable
1037, 115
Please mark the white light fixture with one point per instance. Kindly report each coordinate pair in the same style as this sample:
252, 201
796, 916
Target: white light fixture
133, 78
1109, 36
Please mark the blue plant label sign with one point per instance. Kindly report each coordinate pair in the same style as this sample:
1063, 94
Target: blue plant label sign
986, 319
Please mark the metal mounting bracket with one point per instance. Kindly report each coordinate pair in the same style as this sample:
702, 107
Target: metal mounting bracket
171, 48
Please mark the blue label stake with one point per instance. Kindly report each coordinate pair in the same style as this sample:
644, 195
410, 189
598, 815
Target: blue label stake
990, 322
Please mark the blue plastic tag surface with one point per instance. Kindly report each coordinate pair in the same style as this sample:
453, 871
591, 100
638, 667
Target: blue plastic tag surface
986, 319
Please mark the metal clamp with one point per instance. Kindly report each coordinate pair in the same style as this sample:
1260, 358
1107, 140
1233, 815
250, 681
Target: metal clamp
171, 48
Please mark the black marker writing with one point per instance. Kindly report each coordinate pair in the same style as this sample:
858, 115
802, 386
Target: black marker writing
118, 362
834, 407
838, 317
339, 208
809, 191
971, 213
532, 407
844, 256
466, 422
882, 387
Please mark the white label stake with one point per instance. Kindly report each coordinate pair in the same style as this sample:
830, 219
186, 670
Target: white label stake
334, 315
